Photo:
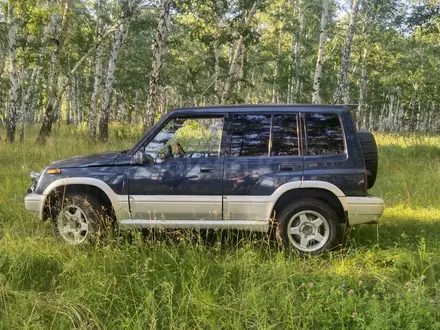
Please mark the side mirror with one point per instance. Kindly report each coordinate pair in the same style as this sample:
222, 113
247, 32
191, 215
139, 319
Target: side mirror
142, 158
138, 158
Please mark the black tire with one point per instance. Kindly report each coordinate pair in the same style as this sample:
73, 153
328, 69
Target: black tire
313, 209
371, 156
84, 219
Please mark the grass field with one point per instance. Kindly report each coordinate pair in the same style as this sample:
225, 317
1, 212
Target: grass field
386, 277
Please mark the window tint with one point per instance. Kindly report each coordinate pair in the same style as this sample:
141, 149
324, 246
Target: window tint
186, 138
284, 136
250, 135
324, 134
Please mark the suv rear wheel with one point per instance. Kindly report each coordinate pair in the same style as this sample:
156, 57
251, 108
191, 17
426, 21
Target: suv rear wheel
309, 225
80, 220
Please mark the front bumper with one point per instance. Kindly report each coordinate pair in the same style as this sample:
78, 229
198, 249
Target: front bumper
35, 203
364, 209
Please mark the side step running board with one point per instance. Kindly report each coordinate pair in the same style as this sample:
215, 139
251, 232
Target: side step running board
260, 226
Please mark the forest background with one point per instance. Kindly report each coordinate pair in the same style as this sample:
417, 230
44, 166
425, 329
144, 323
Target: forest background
96, 62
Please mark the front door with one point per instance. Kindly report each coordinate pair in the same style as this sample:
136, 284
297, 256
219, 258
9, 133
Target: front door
181, 174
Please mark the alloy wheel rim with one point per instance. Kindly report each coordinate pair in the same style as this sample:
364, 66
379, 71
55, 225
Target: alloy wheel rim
73, 225
308, 231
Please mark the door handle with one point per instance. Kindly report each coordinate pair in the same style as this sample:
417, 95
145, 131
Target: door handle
286, 167
206, 169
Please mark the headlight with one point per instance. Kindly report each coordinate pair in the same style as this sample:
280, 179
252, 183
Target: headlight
35, 176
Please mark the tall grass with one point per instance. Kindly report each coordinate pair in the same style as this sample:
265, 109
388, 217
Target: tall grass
386, 277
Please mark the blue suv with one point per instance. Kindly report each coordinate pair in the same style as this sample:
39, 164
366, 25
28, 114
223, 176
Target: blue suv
303, 168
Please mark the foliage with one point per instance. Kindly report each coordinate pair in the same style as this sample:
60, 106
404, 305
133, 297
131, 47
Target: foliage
387, 277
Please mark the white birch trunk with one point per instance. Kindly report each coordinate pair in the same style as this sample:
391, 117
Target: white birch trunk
121, 111
316, 94
108, 89
361, 111
98, 73
295, 49
80, 106
2, 61
53, 98
22, 112
240, 73
158, 53
341, 89
275, 94
69, 112
11, 117
291, 69
216, 69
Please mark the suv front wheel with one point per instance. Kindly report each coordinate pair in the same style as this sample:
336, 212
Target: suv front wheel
309, 225
80, 220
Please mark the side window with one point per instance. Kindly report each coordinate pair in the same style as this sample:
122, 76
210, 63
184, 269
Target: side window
324, 134
284, 136
250, 135
186, 138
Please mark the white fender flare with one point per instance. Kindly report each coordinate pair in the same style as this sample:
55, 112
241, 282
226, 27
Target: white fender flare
119, 202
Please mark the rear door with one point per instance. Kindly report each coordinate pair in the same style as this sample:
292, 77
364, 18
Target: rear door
262, 153
326, 147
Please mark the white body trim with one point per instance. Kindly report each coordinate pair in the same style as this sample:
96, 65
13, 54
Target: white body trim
260, 207
251, 208
171, 207
34, 203
119, 202
364, 209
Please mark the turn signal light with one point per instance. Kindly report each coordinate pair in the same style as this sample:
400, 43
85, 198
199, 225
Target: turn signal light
54, 171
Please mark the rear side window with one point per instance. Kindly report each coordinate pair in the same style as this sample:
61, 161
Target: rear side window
250, 135
324, 134
284, 135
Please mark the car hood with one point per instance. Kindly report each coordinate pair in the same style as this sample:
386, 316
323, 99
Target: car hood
102, 159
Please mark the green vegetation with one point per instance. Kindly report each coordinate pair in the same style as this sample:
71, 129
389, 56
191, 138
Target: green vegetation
386, 277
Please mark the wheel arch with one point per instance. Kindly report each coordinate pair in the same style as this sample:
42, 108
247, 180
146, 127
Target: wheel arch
60, 188
325, 195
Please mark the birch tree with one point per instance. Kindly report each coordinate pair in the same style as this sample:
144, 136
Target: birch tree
296, 53
98, 70
58, 37
156, 68
11, 118
341, 89
361, 111
316, 97
110, 78
234, 66
2, 60
57, 90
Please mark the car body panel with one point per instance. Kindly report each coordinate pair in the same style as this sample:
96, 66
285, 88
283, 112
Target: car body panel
245, 181
113, 176
101, 159
185, 190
